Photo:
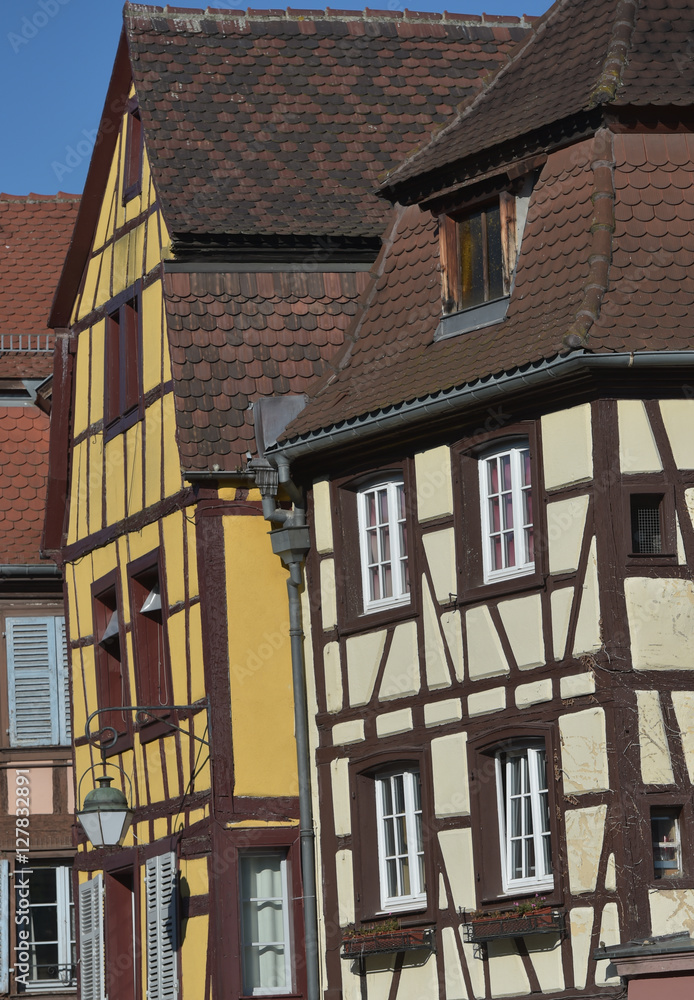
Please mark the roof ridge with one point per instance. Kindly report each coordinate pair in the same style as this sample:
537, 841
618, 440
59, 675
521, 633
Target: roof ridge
329, 14
487, 81
617, 53
602, 228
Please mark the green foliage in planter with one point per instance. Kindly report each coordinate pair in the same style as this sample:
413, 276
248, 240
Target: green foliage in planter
388, 926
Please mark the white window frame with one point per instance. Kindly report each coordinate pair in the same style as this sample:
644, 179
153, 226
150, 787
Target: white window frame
417, 897
542, 880
524, 564
248, 989
398, 558
65, 942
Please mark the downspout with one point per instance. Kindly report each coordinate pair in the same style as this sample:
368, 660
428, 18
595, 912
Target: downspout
291, 543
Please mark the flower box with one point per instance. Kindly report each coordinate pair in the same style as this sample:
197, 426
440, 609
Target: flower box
413, 939
543, 921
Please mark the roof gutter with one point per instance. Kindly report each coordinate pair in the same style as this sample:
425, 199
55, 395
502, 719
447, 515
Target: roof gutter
11, 571
403, 415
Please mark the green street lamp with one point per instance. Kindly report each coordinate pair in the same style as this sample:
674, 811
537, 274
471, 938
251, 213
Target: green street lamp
105, 815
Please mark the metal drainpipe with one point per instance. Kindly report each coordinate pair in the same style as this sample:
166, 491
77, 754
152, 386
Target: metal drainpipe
291, 543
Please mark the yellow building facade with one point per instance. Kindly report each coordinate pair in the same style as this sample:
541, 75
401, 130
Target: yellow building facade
212, 782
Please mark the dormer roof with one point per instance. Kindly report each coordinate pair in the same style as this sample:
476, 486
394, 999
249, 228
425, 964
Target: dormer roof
584, 59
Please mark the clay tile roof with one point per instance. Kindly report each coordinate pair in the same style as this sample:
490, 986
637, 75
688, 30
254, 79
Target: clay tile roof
273, 122
273, 333
581, 54
34, 235
566, 294
23, 474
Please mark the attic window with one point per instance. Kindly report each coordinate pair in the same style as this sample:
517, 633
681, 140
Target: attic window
132, 160
479, 249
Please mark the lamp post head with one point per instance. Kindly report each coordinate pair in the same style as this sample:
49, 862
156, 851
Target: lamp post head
105, 815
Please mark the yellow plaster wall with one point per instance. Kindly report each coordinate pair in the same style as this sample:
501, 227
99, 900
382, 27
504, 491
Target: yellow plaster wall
195, 933
261, 683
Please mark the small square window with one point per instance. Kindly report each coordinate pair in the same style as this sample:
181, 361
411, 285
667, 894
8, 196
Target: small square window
647, 523
383, 543
667, 847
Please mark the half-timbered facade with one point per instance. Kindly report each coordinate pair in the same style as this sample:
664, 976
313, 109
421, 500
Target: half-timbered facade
37, 944
217, 258
501, 478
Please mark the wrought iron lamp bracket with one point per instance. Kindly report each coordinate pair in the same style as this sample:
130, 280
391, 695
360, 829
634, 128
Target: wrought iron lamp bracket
100, 741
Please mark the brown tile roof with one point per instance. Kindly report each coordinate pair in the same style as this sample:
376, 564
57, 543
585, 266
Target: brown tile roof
557, 301
581, 53
237, 337
650, 301
23, 473
280, 123
34, 235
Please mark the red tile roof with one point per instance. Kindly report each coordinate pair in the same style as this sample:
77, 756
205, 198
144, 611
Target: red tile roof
34, 235
237, 337
23, 473
581, 54
280, 123
646, 300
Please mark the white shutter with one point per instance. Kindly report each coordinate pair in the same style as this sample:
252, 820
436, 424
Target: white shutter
32, 681
63, 683
162, 927
92, 939
4, 926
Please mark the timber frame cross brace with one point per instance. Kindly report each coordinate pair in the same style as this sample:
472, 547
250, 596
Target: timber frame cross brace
101, 741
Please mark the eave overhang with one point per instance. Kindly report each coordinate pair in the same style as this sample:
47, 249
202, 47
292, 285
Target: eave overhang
570, 376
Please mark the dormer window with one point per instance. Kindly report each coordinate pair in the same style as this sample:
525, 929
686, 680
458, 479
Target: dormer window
479, 249
481, 258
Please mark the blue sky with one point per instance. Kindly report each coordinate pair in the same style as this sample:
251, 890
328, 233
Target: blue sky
55, 62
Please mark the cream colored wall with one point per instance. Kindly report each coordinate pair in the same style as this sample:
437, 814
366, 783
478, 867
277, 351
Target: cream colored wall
487, 650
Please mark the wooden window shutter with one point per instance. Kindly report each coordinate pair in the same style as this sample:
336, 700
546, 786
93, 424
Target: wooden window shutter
4, 927
92, 939
63, 680
36, 718
162, 927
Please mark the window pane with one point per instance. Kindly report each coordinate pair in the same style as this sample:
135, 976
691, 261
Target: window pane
43, 886
506, 472
471, 261
370, 510
401, 859
494, 254
399, 793
264, 922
